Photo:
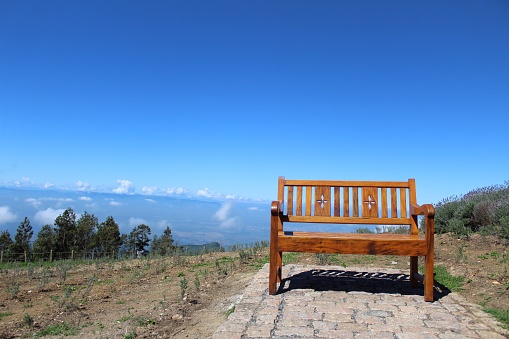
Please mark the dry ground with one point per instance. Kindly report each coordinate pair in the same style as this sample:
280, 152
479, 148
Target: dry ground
149, 297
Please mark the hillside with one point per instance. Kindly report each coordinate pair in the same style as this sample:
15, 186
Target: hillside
189, 296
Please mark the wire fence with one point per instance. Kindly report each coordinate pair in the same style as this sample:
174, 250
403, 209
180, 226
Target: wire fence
7, 256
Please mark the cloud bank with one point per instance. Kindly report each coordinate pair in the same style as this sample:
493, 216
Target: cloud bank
6, 215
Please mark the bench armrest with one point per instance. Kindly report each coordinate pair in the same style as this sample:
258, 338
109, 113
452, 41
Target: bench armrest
429, 217
427, 210
275, 208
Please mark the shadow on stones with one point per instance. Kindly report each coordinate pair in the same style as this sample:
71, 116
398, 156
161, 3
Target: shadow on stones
353, 281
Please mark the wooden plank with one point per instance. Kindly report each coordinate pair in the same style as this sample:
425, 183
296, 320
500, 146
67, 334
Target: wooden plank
351, 235
414, 228
299, 200
355, 192
384, 203
370, 202
402, 202
349, 245
348, 220
322, 201
281, 189
346, 203
308, 200
337, 205
394, 203
344, 183
289, 203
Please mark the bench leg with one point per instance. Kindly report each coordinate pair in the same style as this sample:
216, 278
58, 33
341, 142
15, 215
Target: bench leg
279, 266
274, 268
414, 268
429, 278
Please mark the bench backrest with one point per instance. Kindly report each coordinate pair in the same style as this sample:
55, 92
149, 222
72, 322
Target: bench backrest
348, 202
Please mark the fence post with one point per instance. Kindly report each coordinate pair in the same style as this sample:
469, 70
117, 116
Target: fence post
72, 254
25, 256
50, 255
1, 256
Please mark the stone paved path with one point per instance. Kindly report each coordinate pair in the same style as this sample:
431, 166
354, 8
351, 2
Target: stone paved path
338, 302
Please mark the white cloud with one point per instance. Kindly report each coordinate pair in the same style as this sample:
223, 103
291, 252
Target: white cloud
35, 202
48, 185
82, 186
6, 215
150, 200
173, 190
115, 203
253, 208
223, 212
47, 216
85, 198
149, 190
126, 187
206, 193
133, 222
223, 215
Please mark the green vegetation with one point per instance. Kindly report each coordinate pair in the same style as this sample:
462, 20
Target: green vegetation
484, 210
64, 329
5, 314
500, 315
454, 283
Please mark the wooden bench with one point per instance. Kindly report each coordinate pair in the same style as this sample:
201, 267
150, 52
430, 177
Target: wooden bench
351, 203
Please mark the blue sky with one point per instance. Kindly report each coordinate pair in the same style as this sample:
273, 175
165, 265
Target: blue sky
219, 98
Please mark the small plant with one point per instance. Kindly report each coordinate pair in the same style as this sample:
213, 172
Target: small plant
197, 282
63, 268
183, 287
130, 335
230, 311
45, 276
322, 258
28, 320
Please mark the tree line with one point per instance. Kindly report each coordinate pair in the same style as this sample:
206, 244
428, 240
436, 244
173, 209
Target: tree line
84, 235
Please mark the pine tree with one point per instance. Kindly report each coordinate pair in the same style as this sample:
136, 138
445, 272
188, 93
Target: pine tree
66, 231
22, 238
163, 245
86, 231
108, 237
45, 242
5, 241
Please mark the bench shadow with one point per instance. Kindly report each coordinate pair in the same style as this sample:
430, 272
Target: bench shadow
355, 281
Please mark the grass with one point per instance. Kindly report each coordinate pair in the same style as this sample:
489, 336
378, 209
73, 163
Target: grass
501, 315
453, 283
63, 329
5, 314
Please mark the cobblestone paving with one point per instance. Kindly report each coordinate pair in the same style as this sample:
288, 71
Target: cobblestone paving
338, 302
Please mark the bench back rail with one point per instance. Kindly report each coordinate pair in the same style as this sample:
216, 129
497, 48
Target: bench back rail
348, 202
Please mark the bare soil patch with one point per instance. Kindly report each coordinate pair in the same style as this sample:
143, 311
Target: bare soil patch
189, 297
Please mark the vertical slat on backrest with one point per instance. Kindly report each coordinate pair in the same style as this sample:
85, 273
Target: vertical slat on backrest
355, 193
308, 200
322, 201
336, 201
402, 202
384, 202
299, 200
346, 203
289, 204
413, 200
394, 203
281, 189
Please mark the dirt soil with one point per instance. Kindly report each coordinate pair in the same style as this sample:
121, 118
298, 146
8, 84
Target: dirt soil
189, 297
